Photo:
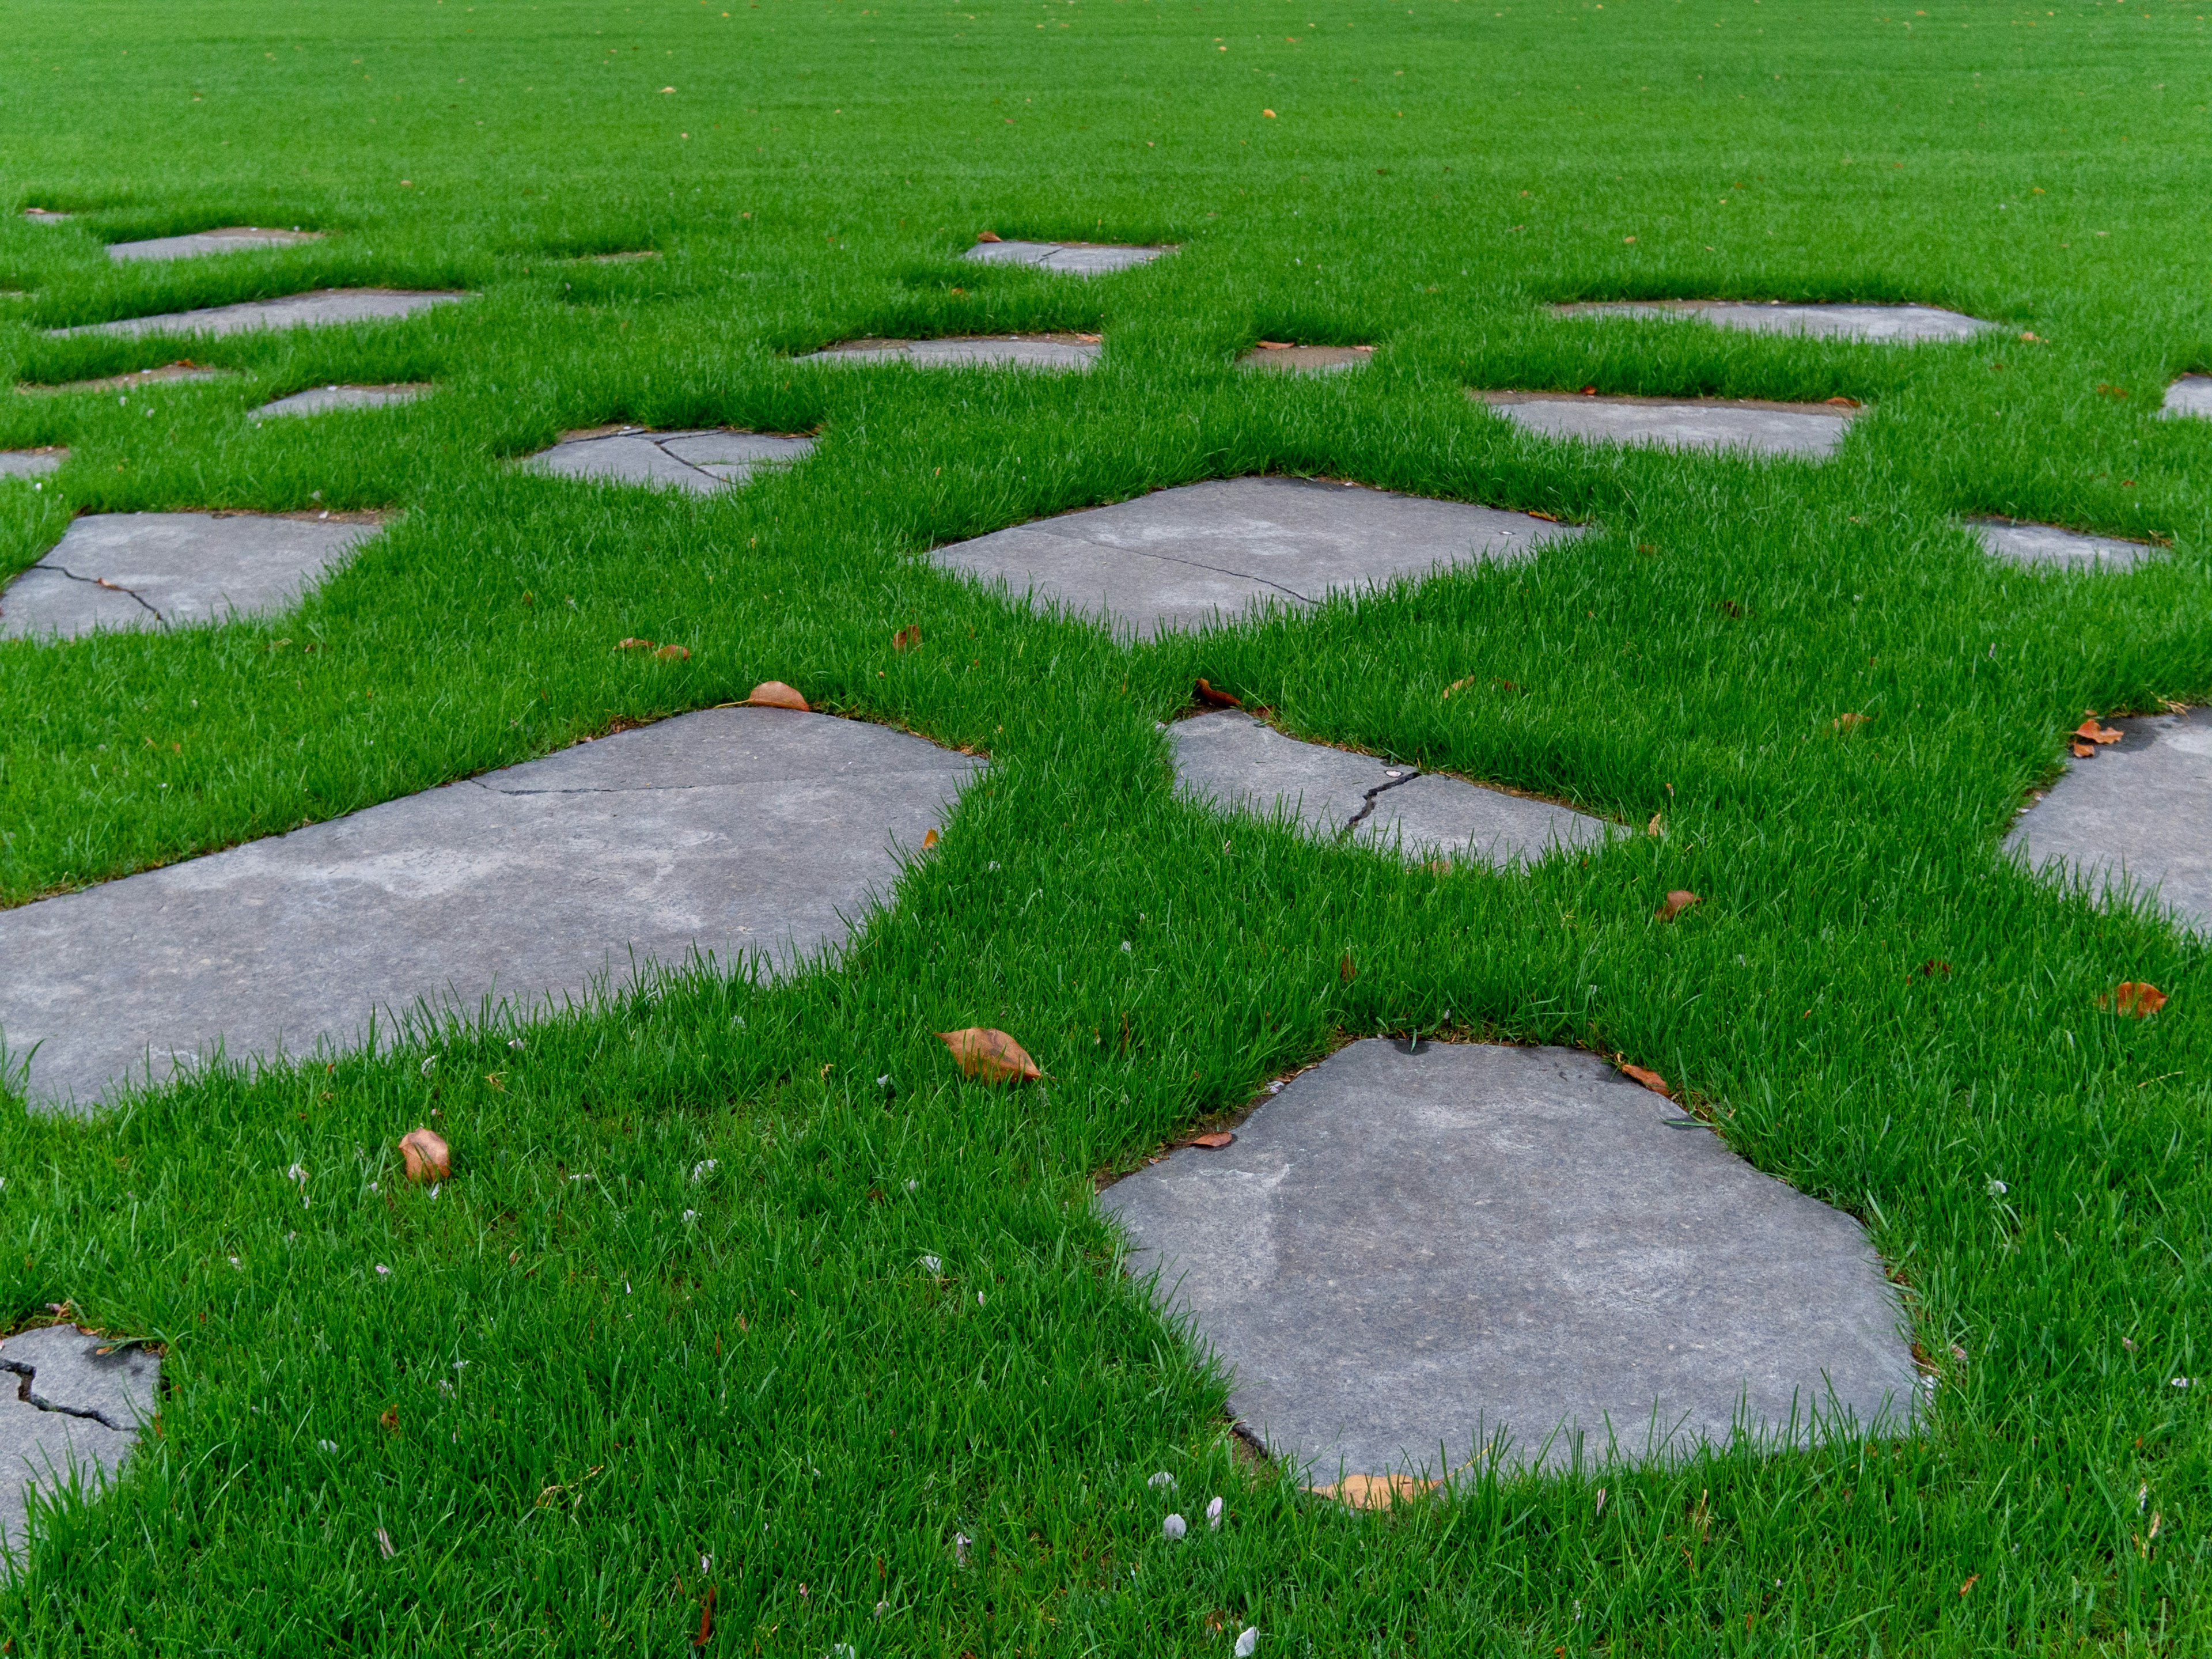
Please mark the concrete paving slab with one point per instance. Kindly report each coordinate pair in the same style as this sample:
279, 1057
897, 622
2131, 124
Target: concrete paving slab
132, 381
701, 461
47, 217
231, 239
172, 570
31, 463
1305, 359
1238, 764
2190, 395
68, 1414
1811, 430
1889, 324
2138, 812
1065, 352
64, 1370
322, 400
1208, 552
1405, 1254
1073, 258
328, 307
738, 833
2048, 544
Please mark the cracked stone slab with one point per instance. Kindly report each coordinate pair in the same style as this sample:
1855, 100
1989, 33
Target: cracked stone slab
68, 1414
327, 307
1887, 325
1208, 552
132, 381
2137, 813
2048, 544
701, 461
735, 834
1405, 1254
171, 570
31, 463
1236, 762
321, 399
1073, 258
231, 239
1068, 353
1751, 425
2191, 395
1305, 359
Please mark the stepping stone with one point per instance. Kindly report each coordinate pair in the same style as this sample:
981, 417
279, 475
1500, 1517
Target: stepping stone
232, 239
2047, 545
327, 307
1405, 1254
321, 399
1055, 351
2191, 395
2137, 813
1305, 359
1205, 553
1748, 424
703, 461
1889, 324
1236, 762
730, 833
178, 371
69, 1414
47, 217
30, 463
1073, 258
171, 570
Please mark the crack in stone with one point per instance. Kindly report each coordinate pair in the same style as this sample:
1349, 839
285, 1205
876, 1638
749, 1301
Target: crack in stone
661, 446
1360, 817
23, 1393
113, 587
1188, 564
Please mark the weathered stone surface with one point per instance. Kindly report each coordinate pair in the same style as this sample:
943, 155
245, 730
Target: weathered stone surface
1404, 1255
1074, 258
1748, 424
46, 216
63, 1370
2047, 545
1237, 763
2191, 395
232, 239
132, 381
171, 569
700, 461
327, 307
2137, 813
733, 833
31, 462
1305, 359
1052, 351
1886, 324
1208, 552
68, 1416
321, 399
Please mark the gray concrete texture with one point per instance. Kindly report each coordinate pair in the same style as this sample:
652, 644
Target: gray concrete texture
1405, 1255
1071, 258
1236, 762
1306, 359
1754, 428
700, 461
1208, 552
172, 570
71, 1404
2191, 395
2136, 815
738, 834
328, 307
1889, 324
1062, 352
2047, 544
31, 463
231, 239
322, 400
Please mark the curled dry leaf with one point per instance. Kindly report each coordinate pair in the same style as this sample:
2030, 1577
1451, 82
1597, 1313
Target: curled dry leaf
1650, 1079
633, 644
1657, 826
2090, 731
907, 638
1842, 403
774, 694
1213, 1142
928, 839
1677, 902
990, 1055
1092, 339
389, 1419
706, 1620
2139, 1000
428, 1157
988, 236
1844, 723
673, 653
2083, 751
1274, 345
1374, 1491
1459, 685
1218, 699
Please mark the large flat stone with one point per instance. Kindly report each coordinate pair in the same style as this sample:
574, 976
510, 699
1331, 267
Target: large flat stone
1236, 763
231, 239
171, 570
1073, 258
1052, 351
2191, 395
1403, 1255
322, 400
732, 833
1888, 324
1748, 424
69, 1414
2137, 813
31, 463
1208, 552
2047, 545
130, 382
700, 461
328, 307
1306, 359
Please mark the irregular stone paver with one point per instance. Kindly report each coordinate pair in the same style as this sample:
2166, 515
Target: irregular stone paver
1405, 1254
1208, 552
2191, 395
2047, 545
2138, 812
321, 399
701, 461
30, 463
231, 239
66, 1410
1889, 324
1235, 762
1075, 259
47, 217
171, 569
178, 371
731, 832
1305, 359
328, 307
1055, 351
1748, 424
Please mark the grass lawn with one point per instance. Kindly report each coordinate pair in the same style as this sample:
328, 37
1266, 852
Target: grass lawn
663, 1341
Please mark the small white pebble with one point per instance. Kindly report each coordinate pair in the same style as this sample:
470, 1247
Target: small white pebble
1162, 1479
1173, 1527
234, 1262
691, 1215
1248, 1640
1213, 1515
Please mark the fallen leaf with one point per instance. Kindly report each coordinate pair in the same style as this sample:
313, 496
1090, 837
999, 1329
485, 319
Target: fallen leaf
2090, 731
907, 638
928, 839
1374, 1491
1091, 339
428, 1157
1269, 114
389, 1419
1207, 693
990, 1055
1274, 345
1344, 971
1844, 723
1650, 1080
1214, 1142
1657, 826
673, 653
1933, 967
1680, 899
1842, 403
2083, 751
636, 645
1459, 685
2141, 1001
988, 236
706, 1620
774, 694
1970, 1584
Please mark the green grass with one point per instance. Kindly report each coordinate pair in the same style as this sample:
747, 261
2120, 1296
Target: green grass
744, 1382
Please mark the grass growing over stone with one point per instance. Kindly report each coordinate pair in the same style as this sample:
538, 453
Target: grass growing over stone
750, 1370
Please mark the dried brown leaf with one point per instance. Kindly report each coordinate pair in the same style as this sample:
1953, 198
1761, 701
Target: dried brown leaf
907, 638
1844, 723
1218, 698
2083, 751
1650, 1079
774, 694
428, 1157
1344, 971
1374, 1491
389, 1418
2090, 731
2138, 1000
1213, 1142
929, 838
1677, 902
1657, 826
988, 236
707, 1608
635, 645
673, 653
990, 1055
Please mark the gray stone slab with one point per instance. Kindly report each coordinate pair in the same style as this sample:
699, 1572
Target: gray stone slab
328, 307
1403, 1255
1074, 258
1306, 359
1208, 552
322, 400
735, 833
47, 217
2136, 814
64, 1370
1888, 324
231, 239
1236, 763
1754, 427
68, 1414
2190, 395
1052, 351
31, 463
2047, 545
172, 570
701, 461
132, 381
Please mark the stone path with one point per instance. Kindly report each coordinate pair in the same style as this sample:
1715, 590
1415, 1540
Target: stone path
1753, 425
1073, 258
66, 1410
1235, 762
132, 381
702, 461
2139, 810
2191, 395
31, 462
232, 239
1305, 359
1888, 324
1069, 352
1208, 552
173, 569
1404, 1255
326, 308
733, 832
321, 399
2048, 544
